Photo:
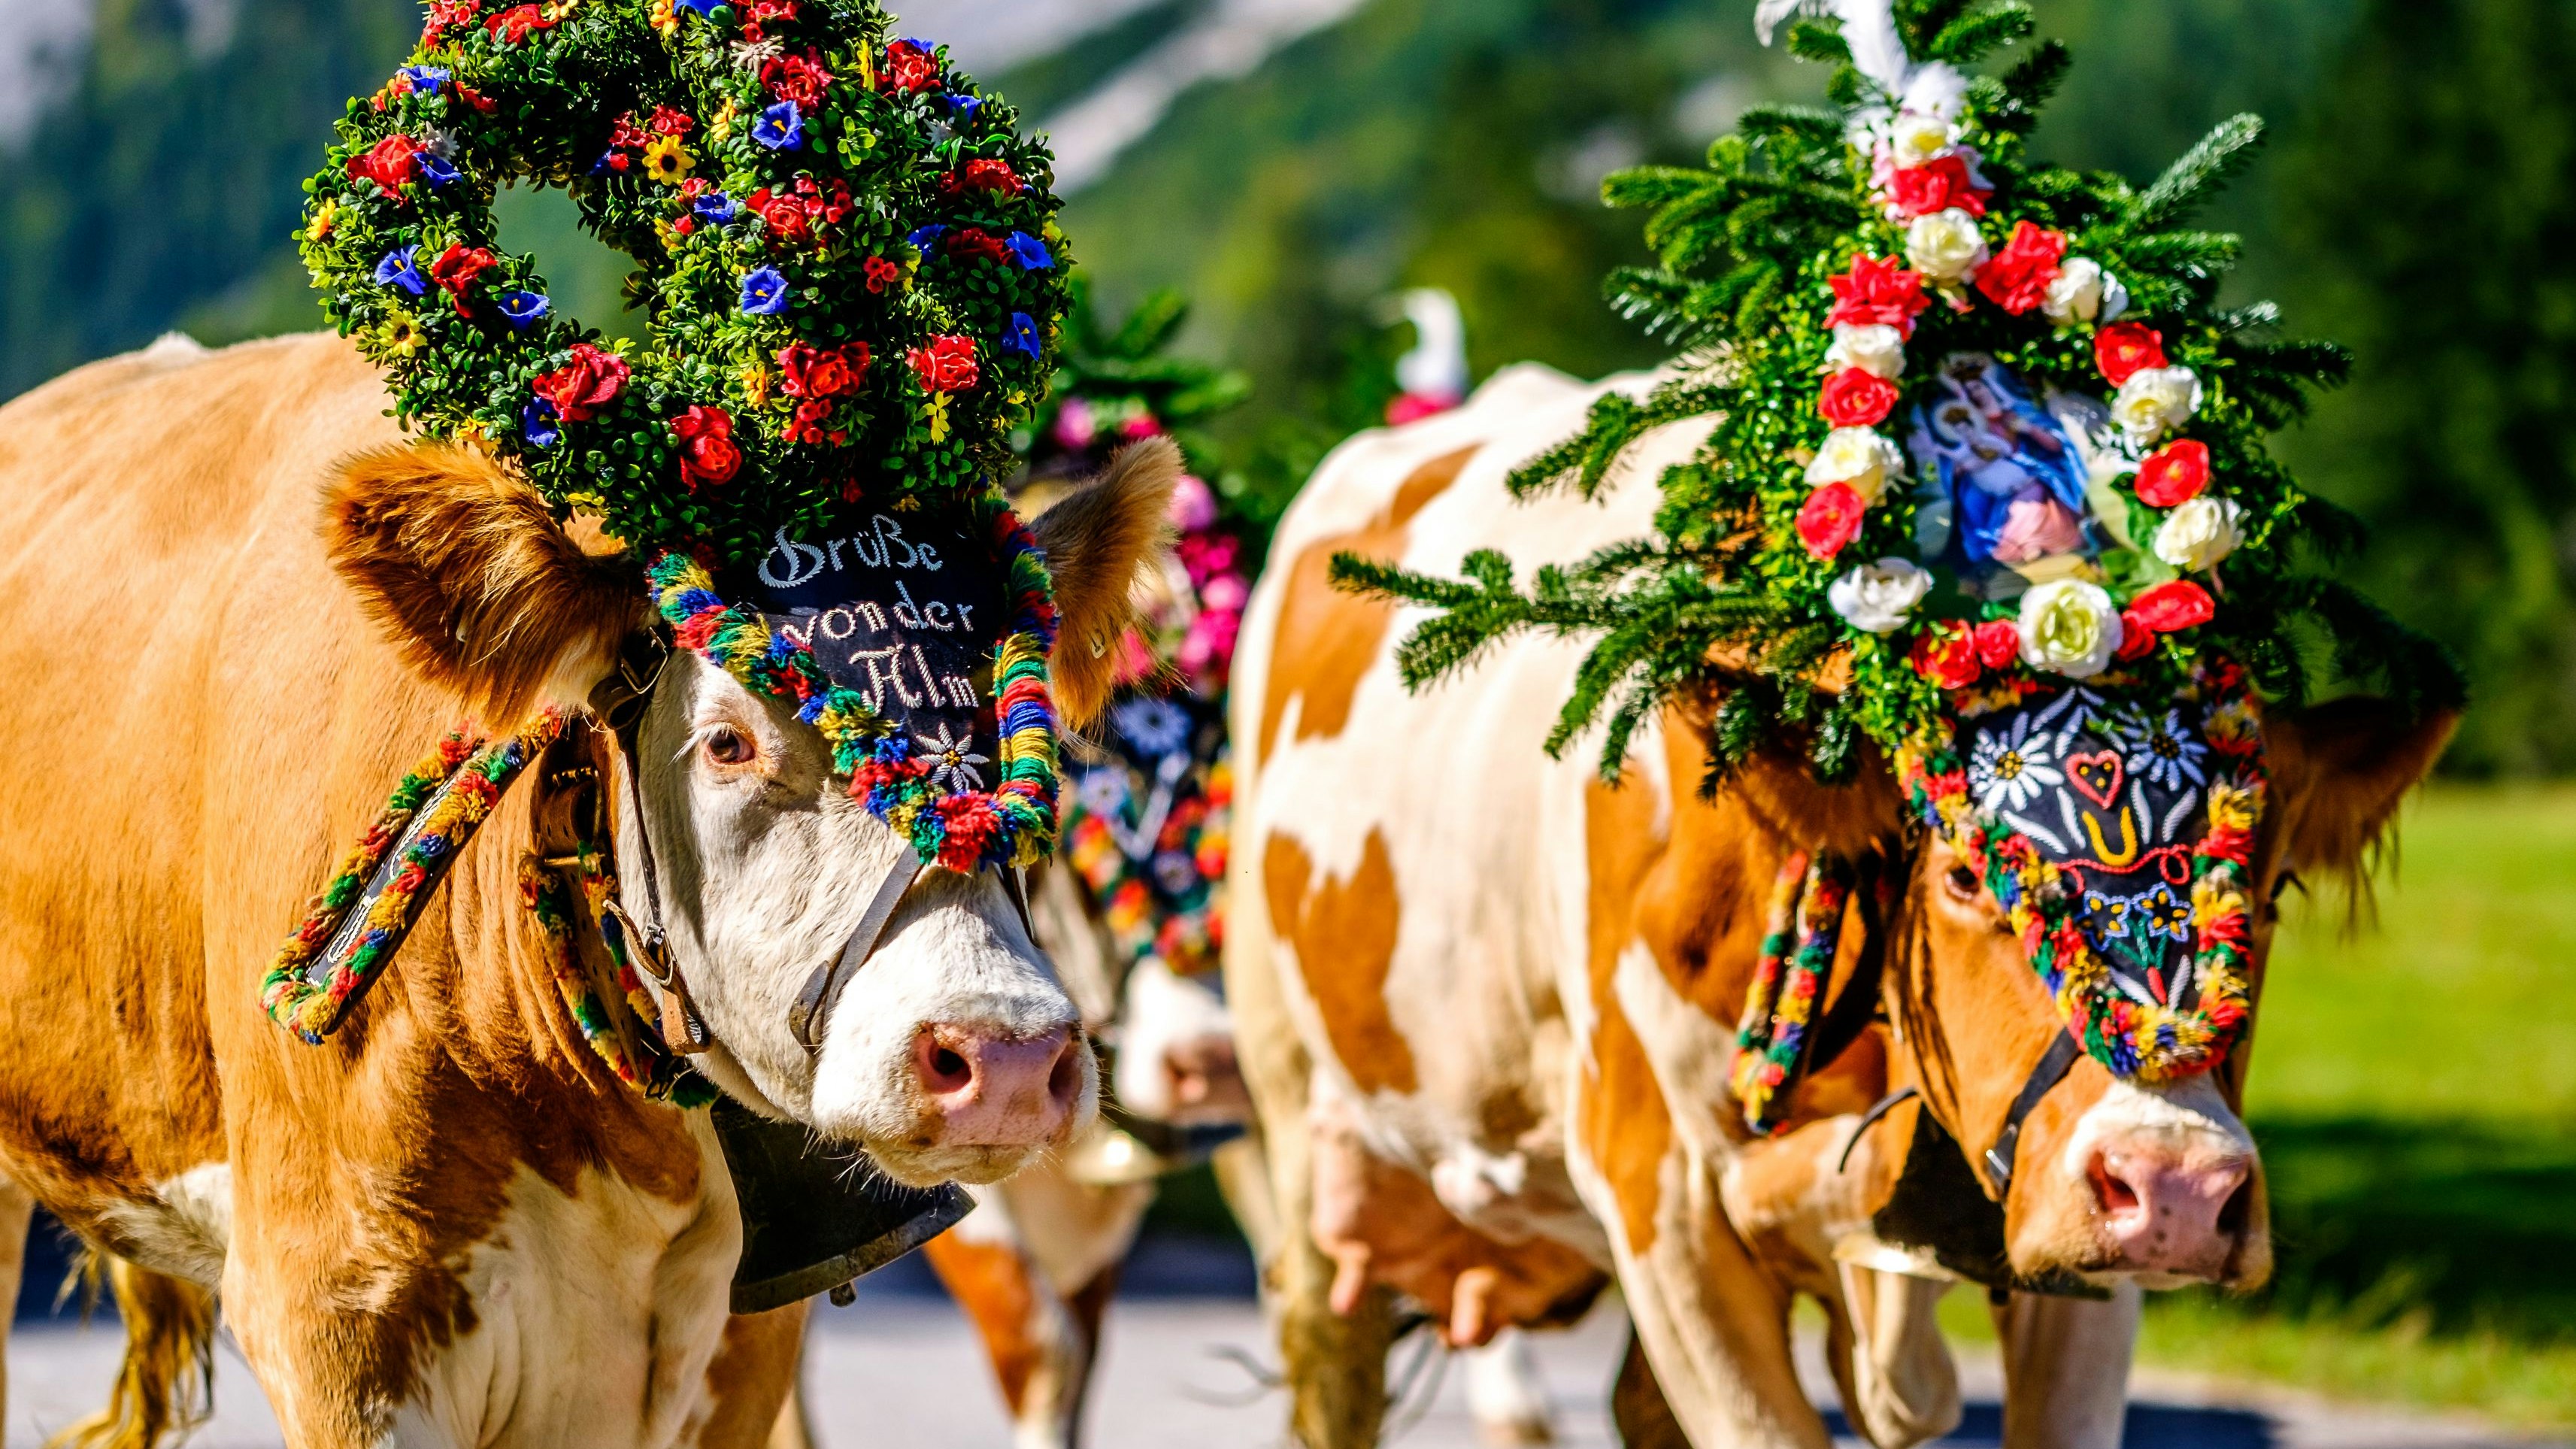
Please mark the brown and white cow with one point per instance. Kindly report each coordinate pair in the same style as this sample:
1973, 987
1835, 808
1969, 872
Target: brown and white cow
1487, 1001
236, 609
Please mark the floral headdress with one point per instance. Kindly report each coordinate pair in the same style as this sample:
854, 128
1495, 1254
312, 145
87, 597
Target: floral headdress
854, 281
1987, 487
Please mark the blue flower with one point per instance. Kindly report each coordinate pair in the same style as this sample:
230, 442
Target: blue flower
927, 239
1031, 253
780, 128
425, 79
964, 108
524, 308
764, 293
399, 269
706, 8
715, 208
435, 169
1024, 335
537, 423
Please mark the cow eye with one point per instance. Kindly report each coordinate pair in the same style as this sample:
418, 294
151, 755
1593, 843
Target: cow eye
1963, 883
727, 746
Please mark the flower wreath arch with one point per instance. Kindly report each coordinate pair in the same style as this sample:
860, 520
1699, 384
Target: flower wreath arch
1986, 487
854, 282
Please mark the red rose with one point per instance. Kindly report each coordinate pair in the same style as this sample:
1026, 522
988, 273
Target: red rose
669, 122
2171, 607
947, 364
909, 69
798, 78
820, 207
1878, 293
1937, 186
783, 215
814, 373
458, 266
2018, 277
1830, 519
1998, 643
972, 242
388, 163
2173, 474
1947, 655
625, 135
445, 13
881, 273
708, 453
512, 25
1855, 398
580, 388
2126, 348
2137, 637
988, 174
765, 10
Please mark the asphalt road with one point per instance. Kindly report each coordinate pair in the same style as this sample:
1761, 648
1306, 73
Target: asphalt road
900, 1368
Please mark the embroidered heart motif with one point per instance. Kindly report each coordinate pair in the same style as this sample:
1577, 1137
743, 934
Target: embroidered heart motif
2097, 776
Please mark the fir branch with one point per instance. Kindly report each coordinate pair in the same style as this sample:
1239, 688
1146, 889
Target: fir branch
2203, 169
2027, 87
1974, 36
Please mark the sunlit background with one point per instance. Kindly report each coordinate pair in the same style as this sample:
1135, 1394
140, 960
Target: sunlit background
1293, 164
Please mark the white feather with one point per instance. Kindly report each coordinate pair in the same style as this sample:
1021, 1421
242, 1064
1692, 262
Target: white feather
1869, 29
1768, 15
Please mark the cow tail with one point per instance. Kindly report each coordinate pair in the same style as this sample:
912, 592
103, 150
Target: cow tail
167, 1384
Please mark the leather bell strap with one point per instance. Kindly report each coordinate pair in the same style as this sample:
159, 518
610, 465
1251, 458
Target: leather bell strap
2063, 1049
812, 1013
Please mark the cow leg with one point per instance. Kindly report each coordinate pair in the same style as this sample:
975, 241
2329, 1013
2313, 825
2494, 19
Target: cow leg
1898, 1381
754, 1383
1504, 1393
17, 1210
2066, 1368
1638, 1408
1030, 1340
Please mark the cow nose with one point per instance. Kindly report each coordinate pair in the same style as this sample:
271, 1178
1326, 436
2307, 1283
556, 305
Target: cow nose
990, 1090
1201, 1075
2166, 1211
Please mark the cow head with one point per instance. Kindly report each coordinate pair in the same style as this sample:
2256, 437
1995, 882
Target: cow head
953, 1052
2110, 1177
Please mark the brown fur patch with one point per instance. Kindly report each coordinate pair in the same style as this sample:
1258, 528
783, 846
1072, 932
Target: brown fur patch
1327, 639
994, 1287
1095, 539
1627, 1128
752, 1379
1344, 937
458, 560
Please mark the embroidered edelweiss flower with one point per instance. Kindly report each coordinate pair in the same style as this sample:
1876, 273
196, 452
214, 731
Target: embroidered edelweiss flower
751, 55
2164, 752
2009, 769
952, 761
1154, 726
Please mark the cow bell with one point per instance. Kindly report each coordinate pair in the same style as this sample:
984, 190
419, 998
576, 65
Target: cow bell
816, 1219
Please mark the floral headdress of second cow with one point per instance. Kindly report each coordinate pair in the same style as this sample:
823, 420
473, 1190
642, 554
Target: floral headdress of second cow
1988, 488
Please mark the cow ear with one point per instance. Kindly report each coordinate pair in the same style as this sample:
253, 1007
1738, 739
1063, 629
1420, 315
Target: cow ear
458, 560
2342, 768
1095, 540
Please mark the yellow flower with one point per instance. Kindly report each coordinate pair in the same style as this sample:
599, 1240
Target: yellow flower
402, 335
665, 19
722, 125
325, 217
2230, 808
938, 415
667, 161
2212, 899
755, 385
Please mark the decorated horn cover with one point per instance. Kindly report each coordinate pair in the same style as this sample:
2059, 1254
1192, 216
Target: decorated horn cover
854, 283
1986, 488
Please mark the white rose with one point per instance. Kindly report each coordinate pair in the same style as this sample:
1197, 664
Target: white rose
2083, 292
2198, 534
1917, 137
1877, 350
1945, 246
1861, 458
1875, 598
2069, 627
2154, 400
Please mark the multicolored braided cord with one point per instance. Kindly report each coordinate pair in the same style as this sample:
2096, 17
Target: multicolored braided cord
480, 773
1803, 931
548, 898
1012, 825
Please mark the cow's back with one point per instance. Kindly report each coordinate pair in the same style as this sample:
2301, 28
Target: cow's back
1415, 857
203, 720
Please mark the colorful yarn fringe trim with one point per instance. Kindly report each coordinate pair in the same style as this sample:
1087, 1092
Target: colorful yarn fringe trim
1012, 825
549, 902
2134, 1039
480, 773
1804, 930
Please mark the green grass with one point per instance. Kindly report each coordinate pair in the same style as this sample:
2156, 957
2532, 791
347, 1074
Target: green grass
2414, 1091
